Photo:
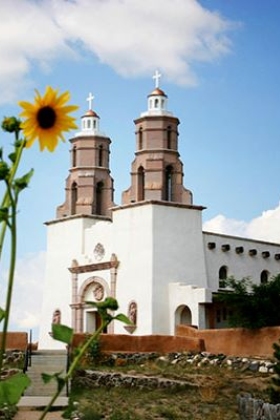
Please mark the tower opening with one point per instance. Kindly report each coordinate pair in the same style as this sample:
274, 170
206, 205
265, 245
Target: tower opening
99, 197
141, 184
74, 197
168, 183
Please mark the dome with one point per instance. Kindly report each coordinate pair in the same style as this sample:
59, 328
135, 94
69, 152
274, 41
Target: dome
90, 113
157, 92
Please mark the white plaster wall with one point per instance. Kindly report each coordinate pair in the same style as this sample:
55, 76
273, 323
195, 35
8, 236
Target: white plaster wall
190, 296
239, 265
65, 242
156, 245
178, 257
132, 243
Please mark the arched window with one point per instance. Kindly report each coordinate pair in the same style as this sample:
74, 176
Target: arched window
74, 197
223, 273
140, 138
156, 103
74, 156
99, 196
168, 183
264, 276
169, 137
140, 184
100, 155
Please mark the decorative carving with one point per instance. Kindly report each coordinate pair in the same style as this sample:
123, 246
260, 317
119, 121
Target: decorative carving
99, 252
98, 291
56, 319
132, 312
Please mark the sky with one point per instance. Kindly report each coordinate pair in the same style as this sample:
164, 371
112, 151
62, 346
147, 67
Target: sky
219, 61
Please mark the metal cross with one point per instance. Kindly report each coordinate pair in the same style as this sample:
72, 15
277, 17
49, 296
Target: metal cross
90, 99
157, 76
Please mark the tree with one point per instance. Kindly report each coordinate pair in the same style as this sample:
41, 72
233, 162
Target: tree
252, 305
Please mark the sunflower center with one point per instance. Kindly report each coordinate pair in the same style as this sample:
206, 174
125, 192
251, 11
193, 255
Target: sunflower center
46, 117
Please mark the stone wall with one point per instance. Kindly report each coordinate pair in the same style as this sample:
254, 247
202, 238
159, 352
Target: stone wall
234, 341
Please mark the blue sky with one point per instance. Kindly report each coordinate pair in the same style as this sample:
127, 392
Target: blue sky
219, 61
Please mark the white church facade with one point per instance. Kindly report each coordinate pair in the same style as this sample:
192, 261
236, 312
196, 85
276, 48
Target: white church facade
150, 252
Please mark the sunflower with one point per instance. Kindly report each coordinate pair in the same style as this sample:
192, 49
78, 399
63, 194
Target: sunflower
47, 118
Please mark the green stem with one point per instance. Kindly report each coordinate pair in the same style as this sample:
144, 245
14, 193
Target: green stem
6, 198
74, 365
13, 204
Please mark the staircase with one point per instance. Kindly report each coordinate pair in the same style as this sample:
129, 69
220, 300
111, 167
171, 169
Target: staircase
45, 361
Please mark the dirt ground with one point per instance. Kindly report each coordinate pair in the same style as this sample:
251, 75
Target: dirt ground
35, 415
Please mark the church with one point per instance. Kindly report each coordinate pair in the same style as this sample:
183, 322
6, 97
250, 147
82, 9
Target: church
150, 252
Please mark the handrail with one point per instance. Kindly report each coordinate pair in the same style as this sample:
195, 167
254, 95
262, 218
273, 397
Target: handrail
30, 349
68, 361
28, 353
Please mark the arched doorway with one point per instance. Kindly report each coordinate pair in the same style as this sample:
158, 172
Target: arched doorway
183, 315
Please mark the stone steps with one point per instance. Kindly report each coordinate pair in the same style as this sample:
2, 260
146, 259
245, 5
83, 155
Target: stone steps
45, 361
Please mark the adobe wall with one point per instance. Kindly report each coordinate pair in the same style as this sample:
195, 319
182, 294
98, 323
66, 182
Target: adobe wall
16, 340
144, 344
234, 341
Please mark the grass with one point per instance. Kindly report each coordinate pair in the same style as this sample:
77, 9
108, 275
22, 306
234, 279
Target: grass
214, 397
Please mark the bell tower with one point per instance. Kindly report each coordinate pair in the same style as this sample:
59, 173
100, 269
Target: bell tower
157, 172
89, 186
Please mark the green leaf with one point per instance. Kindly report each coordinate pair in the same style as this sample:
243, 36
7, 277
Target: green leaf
2, 314
62, 333
123, 318
46, 377
11, 389
4, 214
21, 183
60, 383
4, 170
12, 157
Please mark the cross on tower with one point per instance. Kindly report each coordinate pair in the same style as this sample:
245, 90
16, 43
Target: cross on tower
157, 76
90, 99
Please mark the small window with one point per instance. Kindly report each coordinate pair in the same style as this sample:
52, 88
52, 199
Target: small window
222, 276
264, 276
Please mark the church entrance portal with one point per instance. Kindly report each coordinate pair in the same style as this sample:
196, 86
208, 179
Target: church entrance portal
92, 322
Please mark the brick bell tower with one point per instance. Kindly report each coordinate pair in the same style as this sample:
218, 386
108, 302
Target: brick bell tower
157, 172
89, 186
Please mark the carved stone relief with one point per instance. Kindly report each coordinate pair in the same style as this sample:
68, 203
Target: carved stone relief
99, 252
98, 291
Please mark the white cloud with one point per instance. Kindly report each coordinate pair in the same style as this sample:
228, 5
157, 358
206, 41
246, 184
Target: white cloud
134, 37
265, 227
27, 292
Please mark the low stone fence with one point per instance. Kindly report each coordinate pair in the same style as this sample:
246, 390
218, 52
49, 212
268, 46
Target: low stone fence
94, 379
254, 409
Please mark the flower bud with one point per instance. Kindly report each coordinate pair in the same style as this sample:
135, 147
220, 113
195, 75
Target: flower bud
11, 124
